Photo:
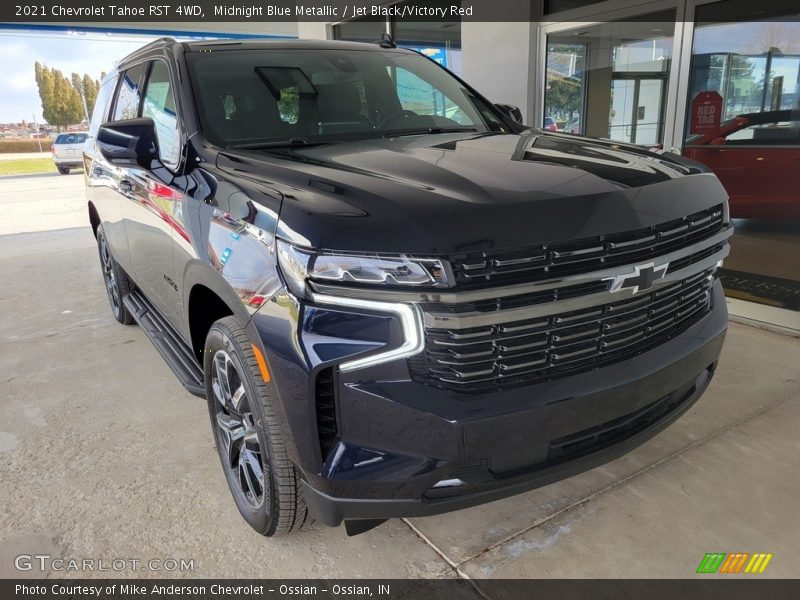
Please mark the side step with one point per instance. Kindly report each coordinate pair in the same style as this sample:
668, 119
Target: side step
172, 348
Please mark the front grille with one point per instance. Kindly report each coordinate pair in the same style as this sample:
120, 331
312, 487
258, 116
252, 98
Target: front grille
522, 352
545, 261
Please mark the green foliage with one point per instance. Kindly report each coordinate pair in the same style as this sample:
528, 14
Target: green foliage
90, 91
28, 145
62, 98
564, 97
25, 166
289, 105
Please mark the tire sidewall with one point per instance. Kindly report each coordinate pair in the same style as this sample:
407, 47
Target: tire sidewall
101, 239
261, 518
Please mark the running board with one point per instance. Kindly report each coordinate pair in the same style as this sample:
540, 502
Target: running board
172, 348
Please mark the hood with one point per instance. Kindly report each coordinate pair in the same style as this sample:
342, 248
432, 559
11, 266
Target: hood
453, 193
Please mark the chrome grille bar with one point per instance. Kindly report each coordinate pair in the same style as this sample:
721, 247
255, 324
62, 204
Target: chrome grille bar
437, 296
446, 320
562, 344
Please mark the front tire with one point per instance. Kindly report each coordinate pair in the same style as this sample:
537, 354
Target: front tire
63, 170
263, 481
115, 279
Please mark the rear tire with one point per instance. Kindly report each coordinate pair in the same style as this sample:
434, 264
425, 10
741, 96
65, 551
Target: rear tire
63, 170
116, 281
263, 481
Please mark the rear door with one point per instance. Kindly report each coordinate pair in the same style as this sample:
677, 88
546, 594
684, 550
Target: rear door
102, 177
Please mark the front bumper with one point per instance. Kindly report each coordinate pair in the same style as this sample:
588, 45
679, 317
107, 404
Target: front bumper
404, 448
332, 510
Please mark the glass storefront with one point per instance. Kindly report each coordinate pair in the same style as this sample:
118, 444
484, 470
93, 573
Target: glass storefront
751, 70
741, 117
610, 80
439, 40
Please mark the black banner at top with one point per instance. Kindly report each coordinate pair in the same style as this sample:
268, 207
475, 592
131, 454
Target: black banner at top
133, 11
333, 11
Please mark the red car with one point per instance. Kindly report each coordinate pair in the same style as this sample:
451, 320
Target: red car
757, 158
550, 124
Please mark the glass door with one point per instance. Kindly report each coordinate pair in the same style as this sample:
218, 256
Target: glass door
637, 109
609, 80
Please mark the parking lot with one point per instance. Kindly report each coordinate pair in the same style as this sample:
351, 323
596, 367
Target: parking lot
104, 455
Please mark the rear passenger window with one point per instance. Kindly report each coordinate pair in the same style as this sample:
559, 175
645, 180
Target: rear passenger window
159, 105
129, 95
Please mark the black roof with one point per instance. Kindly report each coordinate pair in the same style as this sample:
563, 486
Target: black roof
255, 44
280, 44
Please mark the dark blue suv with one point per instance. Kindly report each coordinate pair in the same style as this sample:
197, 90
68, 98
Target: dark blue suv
396, 299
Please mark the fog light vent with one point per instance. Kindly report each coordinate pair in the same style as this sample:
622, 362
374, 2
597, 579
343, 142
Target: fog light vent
326, 411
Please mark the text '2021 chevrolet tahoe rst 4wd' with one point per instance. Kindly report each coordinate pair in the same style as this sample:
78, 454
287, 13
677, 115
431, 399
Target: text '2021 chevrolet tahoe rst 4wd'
396, 300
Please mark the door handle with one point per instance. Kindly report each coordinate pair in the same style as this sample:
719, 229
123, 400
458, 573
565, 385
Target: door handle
125, 186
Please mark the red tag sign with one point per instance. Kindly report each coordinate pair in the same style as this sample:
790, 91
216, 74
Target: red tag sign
706, 112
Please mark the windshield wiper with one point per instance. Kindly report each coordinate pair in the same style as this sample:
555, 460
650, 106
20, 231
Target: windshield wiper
295, 142
426, 130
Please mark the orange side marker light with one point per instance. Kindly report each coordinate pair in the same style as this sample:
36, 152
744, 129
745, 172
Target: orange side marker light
262, 364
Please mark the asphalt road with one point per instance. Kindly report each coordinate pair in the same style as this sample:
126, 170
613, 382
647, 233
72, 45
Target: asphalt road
103, 455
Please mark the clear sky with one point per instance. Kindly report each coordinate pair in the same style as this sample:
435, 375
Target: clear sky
90, 53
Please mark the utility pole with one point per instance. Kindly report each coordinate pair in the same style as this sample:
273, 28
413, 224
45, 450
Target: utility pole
85, 107
36, 127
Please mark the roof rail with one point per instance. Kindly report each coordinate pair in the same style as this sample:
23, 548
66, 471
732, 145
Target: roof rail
162, 41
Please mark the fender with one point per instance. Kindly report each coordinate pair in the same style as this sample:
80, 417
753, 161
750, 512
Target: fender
198, 273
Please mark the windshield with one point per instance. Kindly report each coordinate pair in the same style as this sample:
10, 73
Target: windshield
251, 96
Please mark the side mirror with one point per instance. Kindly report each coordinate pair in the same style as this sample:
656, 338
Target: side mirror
511, 111
128, 142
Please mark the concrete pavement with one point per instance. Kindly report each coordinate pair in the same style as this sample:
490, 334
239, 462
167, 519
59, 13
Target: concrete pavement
104, 455
42, 202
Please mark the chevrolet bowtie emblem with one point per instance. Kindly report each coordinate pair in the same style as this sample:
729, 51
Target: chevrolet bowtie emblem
641, 278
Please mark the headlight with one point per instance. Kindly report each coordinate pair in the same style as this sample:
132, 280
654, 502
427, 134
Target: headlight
300, 264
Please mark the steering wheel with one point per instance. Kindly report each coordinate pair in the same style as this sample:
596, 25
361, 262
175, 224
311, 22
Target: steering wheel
403, 114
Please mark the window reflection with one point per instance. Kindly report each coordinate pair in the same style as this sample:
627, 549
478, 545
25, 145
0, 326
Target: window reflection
159, 105
755, 67
752, 69
610, 80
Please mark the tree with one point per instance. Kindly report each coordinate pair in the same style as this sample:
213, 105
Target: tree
90, 92
77, 83
46, 92
66, 108
563, 97
62, 98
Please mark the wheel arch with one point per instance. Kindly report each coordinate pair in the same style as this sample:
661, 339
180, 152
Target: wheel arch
94, 217
208, 298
